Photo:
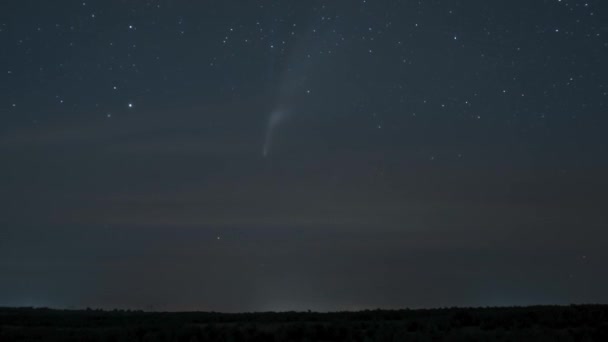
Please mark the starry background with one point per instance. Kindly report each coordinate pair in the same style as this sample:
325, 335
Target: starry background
431, 153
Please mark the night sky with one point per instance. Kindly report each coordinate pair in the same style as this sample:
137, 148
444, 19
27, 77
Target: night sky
293, 155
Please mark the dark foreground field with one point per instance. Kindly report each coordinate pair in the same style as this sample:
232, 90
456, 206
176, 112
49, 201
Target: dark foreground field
540, 323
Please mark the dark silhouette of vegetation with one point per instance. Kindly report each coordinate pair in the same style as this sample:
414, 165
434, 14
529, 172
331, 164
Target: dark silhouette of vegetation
539, 323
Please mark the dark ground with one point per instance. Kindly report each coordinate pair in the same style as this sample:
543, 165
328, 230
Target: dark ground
538, 323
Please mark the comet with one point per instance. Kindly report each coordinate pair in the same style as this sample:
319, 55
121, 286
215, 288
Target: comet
300, 68
275, 118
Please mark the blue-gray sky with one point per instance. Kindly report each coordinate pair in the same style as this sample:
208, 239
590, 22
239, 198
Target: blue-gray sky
291, 155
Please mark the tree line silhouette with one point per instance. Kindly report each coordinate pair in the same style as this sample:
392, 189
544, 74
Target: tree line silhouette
537, 323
